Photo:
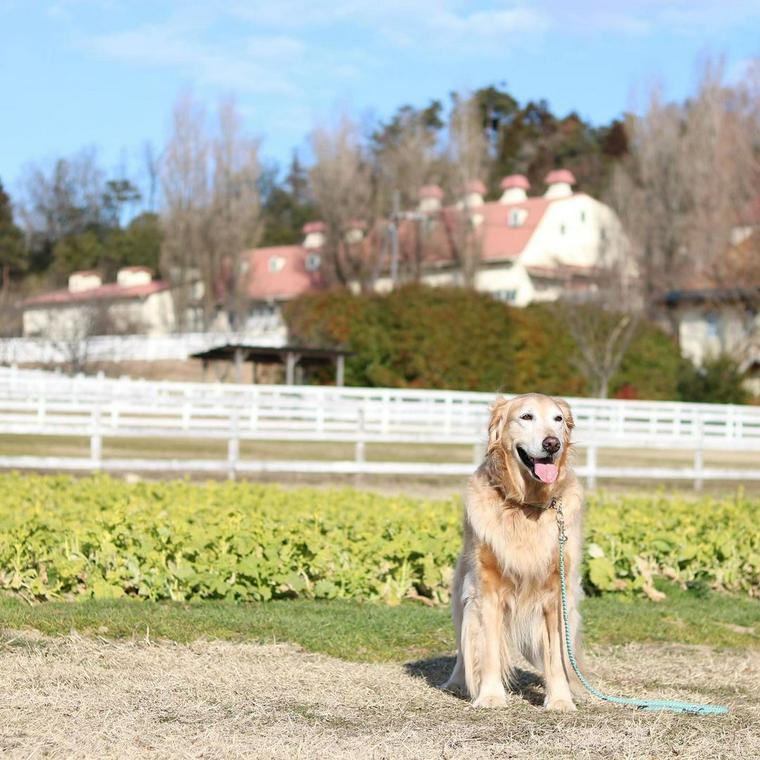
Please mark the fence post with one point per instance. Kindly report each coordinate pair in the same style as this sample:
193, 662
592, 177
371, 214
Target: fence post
360, 448
233, 445
96, 438
478, 453
699, 454
591, 466
698, 466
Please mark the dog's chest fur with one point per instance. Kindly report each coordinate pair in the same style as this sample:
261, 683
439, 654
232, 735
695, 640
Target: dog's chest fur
520, 544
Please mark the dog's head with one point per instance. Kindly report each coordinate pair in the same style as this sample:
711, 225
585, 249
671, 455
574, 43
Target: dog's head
528, 443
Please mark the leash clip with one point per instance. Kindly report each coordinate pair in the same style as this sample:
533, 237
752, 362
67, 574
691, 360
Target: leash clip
556, 505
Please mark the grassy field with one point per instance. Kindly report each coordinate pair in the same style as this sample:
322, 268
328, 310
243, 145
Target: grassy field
344, 678
377, 633
145, 680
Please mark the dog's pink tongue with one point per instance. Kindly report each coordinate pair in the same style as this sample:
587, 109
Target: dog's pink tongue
547, 472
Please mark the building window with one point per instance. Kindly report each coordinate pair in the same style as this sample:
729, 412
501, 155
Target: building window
583, 216
508, 296
562, 229
603, 233
517, 217
312, 262
276, 263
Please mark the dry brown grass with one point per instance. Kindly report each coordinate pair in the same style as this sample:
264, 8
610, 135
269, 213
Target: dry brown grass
76, 697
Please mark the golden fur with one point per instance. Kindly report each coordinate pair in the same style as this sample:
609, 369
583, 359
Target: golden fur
506, 595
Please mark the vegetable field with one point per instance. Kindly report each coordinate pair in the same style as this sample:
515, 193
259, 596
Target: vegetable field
98, 537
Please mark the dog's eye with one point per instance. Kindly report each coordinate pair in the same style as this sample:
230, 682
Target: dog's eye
558, 418
526, 416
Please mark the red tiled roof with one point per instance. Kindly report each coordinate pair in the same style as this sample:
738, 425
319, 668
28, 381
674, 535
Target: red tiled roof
431, 191
560, 175
85, 273
499, 240
314, 227
515, 180
475, 186
290, 281
110, 292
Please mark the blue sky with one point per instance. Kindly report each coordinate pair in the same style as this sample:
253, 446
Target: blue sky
105, 73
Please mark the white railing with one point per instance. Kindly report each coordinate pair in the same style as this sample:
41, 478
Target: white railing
118, 348
47, 404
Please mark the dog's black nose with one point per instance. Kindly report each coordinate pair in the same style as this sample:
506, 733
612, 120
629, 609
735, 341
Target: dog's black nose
551, 444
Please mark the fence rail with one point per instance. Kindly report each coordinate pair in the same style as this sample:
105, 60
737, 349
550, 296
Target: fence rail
268, 332
52, 405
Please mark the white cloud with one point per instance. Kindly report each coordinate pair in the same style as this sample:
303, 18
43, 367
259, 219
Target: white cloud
253, 64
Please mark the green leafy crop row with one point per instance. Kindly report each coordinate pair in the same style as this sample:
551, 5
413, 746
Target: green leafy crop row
100, 537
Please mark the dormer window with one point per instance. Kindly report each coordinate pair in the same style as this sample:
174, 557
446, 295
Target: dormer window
276, 263
517, 217
312, 262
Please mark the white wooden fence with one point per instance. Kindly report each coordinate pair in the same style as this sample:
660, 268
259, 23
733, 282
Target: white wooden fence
117, 348
51, 405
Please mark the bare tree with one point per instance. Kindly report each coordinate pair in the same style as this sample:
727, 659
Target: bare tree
211, 207
185, 189
345, 187
467, 155
236, 217
151, 161
60, 199
692, 169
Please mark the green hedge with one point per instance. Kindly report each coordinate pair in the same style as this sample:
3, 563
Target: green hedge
425, 337
99, 537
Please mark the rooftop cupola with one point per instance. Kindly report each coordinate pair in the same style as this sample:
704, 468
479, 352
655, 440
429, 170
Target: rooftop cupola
430, 199
314, 235
559, 183
515, 188
474, 190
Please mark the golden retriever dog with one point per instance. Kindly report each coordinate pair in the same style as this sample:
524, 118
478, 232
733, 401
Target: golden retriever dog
506, 594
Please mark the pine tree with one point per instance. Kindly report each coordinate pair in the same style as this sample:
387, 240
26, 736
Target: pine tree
12, 252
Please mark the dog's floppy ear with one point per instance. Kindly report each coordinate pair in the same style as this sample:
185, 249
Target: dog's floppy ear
502, 470
499, 412
567, 413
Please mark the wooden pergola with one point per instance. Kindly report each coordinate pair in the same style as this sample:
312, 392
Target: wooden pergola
289, 356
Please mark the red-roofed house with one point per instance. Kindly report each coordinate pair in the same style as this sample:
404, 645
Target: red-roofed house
530, 248
276, 274
135, 303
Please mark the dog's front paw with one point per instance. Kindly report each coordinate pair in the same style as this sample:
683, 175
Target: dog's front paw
490, 699
560, 705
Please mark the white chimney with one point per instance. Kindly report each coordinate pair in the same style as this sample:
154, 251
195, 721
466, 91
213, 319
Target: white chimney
129, 277
473, 193
559, 183
81, 281
315, 235
355, 233
515, 188
430, 199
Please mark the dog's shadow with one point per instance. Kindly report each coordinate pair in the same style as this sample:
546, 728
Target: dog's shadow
436, 670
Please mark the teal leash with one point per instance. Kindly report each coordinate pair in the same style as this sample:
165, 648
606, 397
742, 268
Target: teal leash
642, 704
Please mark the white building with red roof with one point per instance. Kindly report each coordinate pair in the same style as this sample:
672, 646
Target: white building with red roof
276, 274
135, 303
528, 248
